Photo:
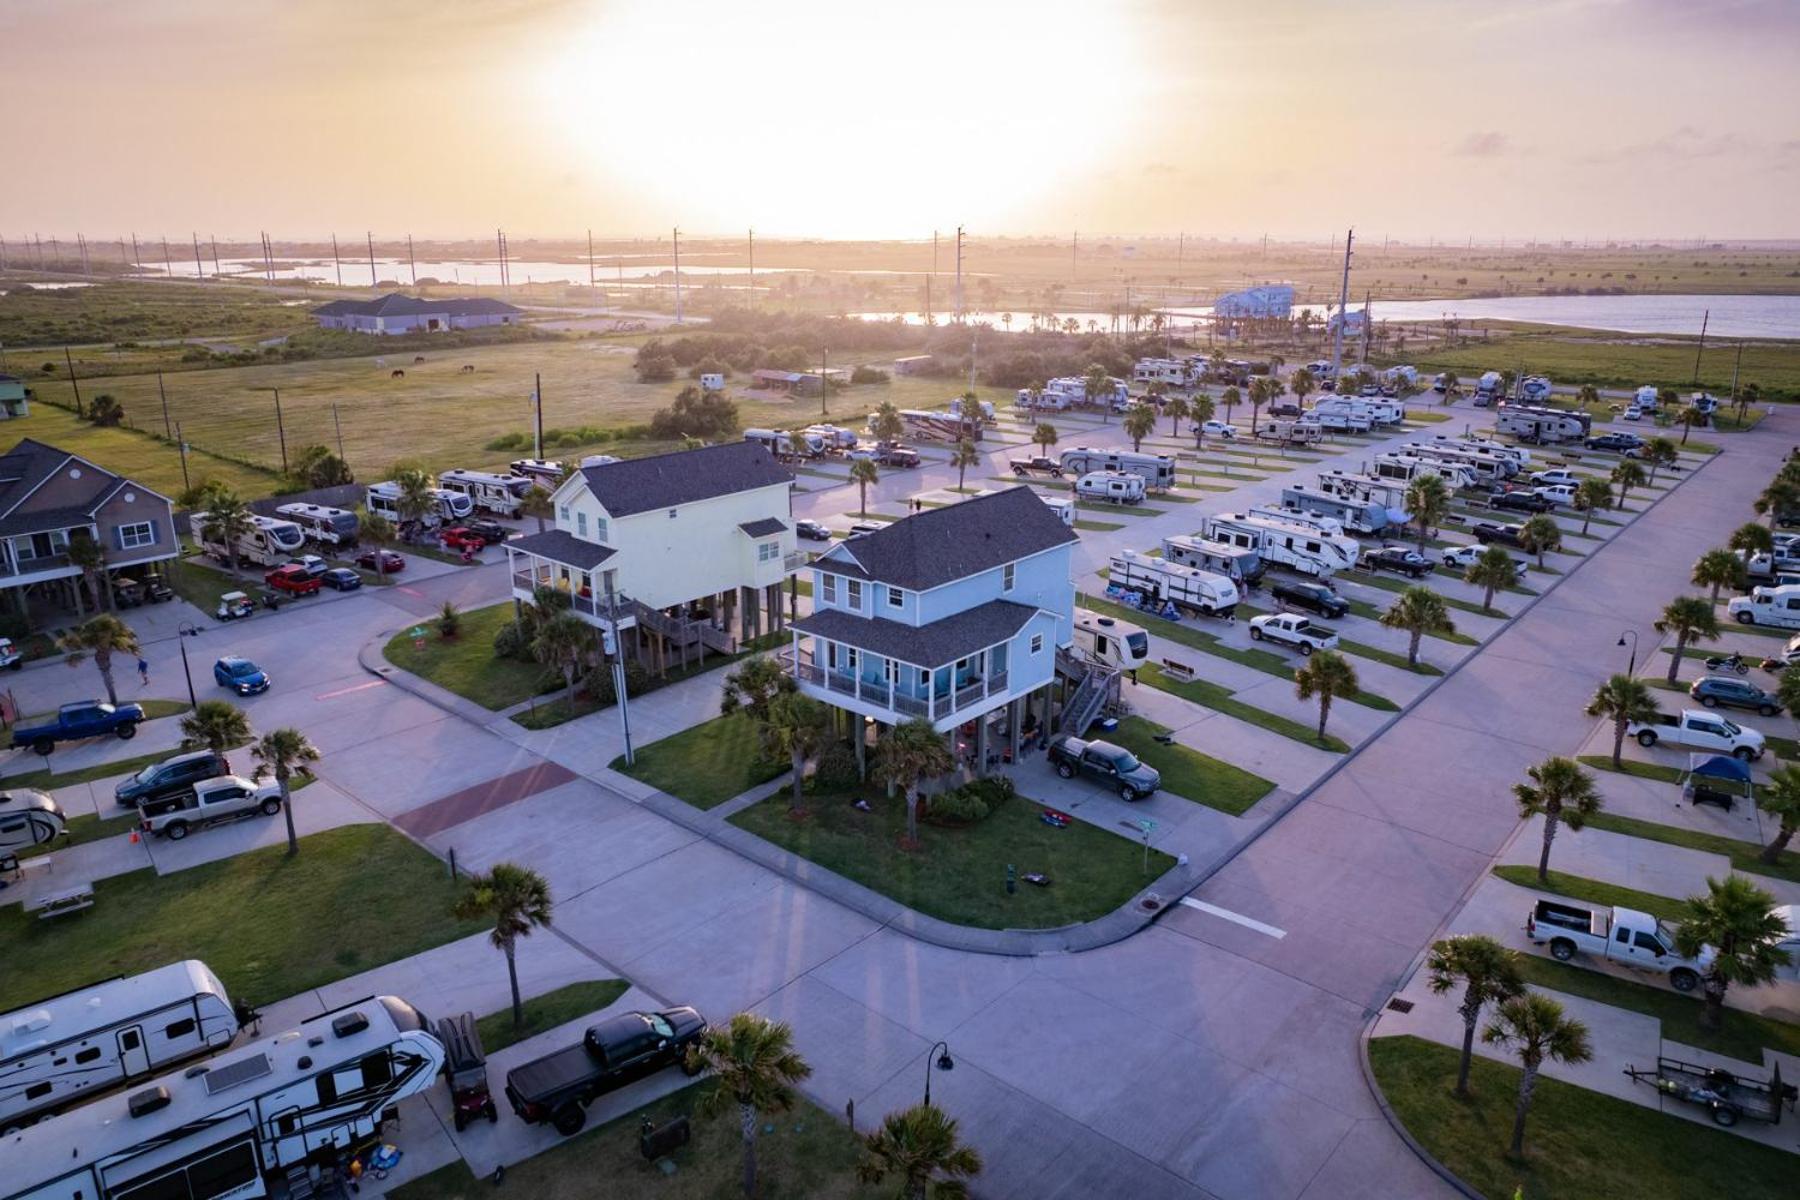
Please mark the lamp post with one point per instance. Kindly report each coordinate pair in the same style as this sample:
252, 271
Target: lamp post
609, 641
943, 1063
184, 631
1632, 634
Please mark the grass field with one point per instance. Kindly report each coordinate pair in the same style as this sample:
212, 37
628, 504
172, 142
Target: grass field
706, 764
959, 875
269, 925
1578, 1144
466, 664
565, 1004
1576, 357
1190, 774
151, 462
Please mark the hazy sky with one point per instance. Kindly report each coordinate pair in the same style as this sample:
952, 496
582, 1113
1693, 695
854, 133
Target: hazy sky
840, 118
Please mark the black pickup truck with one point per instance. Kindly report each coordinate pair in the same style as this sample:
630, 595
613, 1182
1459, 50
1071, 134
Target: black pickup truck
619, 1050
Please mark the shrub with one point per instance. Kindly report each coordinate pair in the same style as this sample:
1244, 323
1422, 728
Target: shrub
510, 641
449, 621
695, 414
868, 375
974, 801
836, 769
597, 685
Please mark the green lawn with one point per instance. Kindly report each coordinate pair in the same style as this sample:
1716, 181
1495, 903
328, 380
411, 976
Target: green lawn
1579, 1145
1744, 856
706, 764
466, 664
1221, 699
567, 1003
1190, 774
1097, 526
959, 875
271, 926
50, 781
1595, 891
1386, 584
808, 1154
558, 710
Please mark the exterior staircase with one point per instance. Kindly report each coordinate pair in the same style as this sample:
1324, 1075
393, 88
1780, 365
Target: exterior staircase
1097, 688
683, 634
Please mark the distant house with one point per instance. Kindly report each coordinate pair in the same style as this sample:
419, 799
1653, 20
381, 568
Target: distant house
15, 399
769, 380
1260, 303
47, 497
672, 552
395, 313
912, 364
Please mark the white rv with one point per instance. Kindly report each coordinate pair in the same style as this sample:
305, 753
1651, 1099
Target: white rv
1406, 468
268, 542
1518, 456
71, 1048
1535, 389
1242, 566
1291, 433
1777, 607
384, 499
1173, 372
1114, 486
1340, 419
1062, 506
1070, 391
980, 410
1189, 589
780, 443
1542, 425
1645, 398
1487, 388
1157, 470
1488, 468
235, 1126
836, 438
321, 523
1108, 642
544, 472
498, 494
1297, 547
28, 818
1310, 519
1358, 516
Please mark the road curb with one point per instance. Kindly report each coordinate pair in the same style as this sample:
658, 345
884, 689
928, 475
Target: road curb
1399, 1127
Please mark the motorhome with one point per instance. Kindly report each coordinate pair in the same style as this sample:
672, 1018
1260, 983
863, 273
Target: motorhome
1535, 389
1487, 388
1306, 551
1488, 468
1292, 433
497, 494
783, 446
837, 439
1406, 468
28, 818
1189, 589
1239, 564
384, 500
1358, 516
70, 1048
1519, 456
1109, 642
1542, 425
544, 472
1156, 470
321, 523
933, 425
1116, 487
268, 542
1173, 372
980, 410
1394, 377
237, 1125
1645, 398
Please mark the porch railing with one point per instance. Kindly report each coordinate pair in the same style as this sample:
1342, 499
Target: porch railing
809, 673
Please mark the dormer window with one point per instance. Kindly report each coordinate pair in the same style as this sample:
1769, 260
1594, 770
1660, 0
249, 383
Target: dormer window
896, 597
1006, 577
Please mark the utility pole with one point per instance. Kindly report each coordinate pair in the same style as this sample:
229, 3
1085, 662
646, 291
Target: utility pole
824, 380
961, 315
678, 274
199, 267
82, 241
3, 251
181, 445
592, 286
336, 264
338, 426
753, 268
1701, 348
500, 256
537, 403
73, 382
168, 267
280, 429
373, 282
1337, 341
136, 256
217, 270
163, 392
1736, 363
411, 265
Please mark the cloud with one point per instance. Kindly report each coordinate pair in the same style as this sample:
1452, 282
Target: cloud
1483, 144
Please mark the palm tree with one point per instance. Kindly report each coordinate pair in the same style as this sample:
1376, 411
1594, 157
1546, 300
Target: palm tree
1044, 435
1419, 611
1591, 494
415, 501
1689, 618
227, 519
1451, 383
1096, 386
281, 752
1737, 920
965, 456
1536, 1029
1780, 798
1200, 409
911, 753
1259, 396
1302, 384
886, 425
1229, 399
1140, 423
90, 556
1540, 534
1626, 476
1660, 452
1689, 415
1781, 497
753, 686
799, 727
215, 725
1563, 794
1488, 973
102, 637
563, 644
1751, 538
798, 446
517, 900
1176, 407
1718, 568
919, 1144
862, 474
1492, 570
1587, 396
1428, 500
1327, 675
378, 529
754, 1066
1624, 701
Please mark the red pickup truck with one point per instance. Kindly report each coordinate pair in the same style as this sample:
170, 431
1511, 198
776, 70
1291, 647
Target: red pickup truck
292, 578
462, 539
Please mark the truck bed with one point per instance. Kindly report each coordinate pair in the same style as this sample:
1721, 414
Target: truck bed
556, 1072
1568, 916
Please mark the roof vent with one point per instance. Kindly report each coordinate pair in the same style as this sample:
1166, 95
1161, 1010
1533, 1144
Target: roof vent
143, 1103
350, 1023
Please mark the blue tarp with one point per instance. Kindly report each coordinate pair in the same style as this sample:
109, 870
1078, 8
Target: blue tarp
1719, 766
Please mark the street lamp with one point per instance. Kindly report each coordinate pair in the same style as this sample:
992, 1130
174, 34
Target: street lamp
1632, 634
943, 1063
187, 629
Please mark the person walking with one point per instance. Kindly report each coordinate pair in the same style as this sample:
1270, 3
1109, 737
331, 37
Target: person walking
143, 671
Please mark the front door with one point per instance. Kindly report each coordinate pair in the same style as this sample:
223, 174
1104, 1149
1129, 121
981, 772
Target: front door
134, 1056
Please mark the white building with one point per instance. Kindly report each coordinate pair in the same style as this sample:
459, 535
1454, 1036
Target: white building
395, 313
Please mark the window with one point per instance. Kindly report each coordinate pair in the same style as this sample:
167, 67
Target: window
37, 1091
1037, 643
377, 1069
1007, 576
87, 1056
1645, 941
600, 529
768, 551
581, 524
896, 597
828, 588
179, 1029
563, 513
223, 1173
671, 514
142, 533
853, 594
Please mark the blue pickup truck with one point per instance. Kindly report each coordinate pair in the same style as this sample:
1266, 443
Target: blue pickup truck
89, 718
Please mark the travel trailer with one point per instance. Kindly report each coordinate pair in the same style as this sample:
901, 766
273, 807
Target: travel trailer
837, 439
1070, 391
1172, 372
1292, 433
235, 1126
1189, 589
780, 443
497, 494
1359, 516
1156, 470
1109, 642
322, 524
1062, 506
544, 472
1407, 467
28, 818
1487, 388
1488, 468
1542, 425
384, 499
1114, 486
1518, 456
1239, 564
1302, 549
981, 410
268, 542
70, 1048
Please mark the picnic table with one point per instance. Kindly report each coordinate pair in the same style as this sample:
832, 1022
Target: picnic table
55, 904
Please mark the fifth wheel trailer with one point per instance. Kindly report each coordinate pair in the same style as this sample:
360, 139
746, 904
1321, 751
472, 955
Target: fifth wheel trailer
1189, 589
268, 542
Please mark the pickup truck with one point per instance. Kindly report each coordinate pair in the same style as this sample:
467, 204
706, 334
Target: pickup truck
619, 1050
1490, 532
893, 454
209, 802
86, 719
1292, 629
293, 578
1622, 935
1038, 465
1315, 597
1701, 730
1114, 766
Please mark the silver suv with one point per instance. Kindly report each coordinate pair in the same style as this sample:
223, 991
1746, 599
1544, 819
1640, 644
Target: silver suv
227, 798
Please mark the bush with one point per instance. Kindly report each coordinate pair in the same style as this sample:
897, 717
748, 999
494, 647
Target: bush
836, 769
597, 685
974, 801
510, 441
449, 621
695, 414
510, 641
868, 375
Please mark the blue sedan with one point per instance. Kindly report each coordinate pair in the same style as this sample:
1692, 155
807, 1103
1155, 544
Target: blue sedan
241, 676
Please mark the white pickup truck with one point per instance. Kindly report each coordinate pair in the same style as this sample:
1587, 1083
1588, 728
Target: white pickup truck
1292, 629
211, 802
1700, 729
1622, 935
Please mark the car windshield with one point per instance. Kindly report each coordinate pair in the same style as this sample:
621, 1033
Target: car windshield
241, 668
147, 774
1126, 761
1731, 729
660, 1027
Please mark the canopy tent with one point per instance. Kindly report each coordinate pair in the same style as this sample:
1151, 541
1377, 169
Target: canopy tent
1719, 779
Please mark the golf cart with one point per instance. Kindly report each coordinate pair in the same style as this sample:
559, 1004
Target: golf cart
157, 589
465, 1067
127, 592
235, 605
10, 657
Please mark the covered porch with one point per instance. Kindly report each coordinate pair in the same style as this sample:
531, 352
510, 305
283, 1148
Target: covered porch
891, 689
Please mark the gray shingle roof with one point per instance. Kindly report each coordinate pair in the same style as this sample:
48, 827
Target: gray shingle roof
44, 520
935, 645
764, 527
394, 304
559, 545
637, 485
939, 545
